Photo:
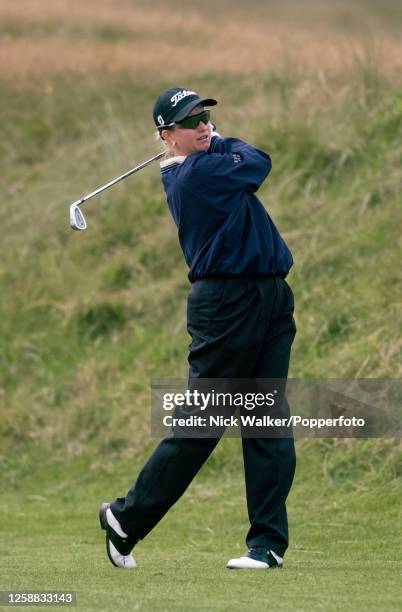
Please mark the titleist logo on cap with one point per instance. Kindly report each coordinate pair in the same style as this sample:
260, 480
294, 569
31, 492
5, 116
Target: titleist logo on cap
180, 95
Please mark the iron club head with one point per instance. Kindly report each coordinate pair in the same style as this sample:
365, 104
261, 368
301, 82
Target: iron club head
77, 219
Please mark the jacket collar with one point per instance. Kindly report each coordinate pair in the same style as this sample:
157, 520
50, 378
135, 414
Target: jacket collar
179, 159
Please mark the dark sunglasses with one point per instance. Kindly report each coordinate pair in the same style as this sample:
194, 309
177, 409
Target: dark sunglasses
191, 122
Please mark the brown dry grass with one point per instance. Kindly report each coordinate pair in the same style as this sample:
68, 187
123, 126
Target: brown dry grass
241, 46
107, 12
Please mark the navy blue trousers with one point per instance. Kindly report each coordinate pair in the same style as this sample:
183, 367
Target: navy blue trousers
240, 328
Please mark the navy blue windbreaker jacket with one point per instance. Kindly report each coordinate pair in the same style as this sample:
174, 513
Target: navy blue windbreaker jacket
224, 230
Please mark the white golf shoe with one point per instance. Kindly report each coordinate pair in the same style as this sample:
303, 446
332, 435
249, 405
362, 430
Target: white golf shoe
257, 557
118, 544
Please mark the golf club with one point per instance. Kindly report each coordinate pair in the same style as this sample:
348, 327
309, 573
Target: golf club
77, 219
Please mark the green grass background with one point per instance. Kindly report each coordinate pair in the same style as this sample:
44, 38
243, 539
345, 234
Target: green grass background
88, 319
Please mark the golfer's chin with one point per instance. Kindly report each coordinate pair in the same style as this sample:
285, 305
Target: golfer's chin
200, 146
203, 145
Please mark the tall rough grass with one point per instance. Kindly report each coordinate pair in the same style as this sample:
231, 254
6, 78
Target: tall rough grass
86, 320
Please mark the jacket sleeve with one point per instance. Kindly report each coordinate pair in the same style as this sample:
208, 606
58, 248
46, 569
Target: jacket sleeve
230, 165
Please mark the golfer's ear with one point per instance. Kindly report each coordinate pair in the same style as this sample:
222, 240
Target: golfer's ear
167, 136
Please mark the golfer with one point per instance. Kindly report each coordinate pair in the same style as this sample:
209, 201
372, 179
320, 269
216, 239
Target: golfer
239, 317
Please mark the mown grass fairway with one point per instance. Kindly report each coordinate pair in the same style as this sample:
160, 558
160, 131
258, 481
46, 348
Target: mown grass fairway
87, 320
344, 552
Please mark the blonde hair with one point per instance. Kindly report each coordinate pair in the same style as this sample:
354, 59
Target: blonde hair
164, 147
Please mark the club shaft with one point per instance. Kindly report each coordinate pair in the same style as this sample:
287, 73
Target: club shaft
118, 179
